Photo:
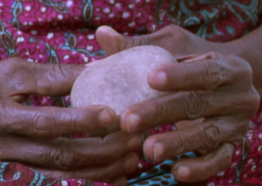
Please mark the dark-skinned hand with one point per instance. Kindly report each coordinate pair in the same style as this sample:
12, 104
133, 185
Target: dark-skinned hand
32, 135
212, 98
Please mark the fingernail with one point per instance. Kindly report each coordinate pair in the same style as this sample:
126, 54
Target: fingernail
131, 163
157, 78
182, 172
106, 116
158, 151
108, 29
132, 122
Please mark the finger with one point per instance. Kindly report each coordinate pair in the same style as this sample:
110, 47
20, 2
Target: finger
188, 123
20, 98
186, 106
113, 42
213, 71
208, 135
121, 181
52, 122
114, 172
69, 154
42, 79
201, 168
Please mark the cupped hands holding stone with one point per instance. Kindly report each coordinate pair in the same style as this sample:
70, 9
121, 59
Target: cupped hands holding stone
211, 98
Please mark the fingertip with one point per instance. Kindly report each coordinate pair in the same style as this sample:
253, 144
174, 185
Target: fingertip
135, 142
157, 79
109, 39
181, 172
121, 181
148, 148
132, 162
129, 122
106, 30
107, 116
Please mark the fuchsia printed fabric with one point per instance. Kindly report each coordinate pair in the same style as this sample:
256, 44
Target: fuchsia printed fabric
62, 31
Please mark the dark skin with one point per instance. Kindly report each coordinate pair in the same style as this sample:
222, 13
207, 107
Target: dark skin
224, 102
32, 135
213, 98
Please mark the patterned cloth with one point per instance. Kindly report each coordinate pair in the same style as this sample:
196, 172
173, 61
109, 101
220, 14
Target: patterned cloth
62, 31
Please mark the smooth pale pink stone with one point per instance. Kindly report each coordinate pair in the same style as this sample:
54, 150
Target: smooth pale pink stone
120, 80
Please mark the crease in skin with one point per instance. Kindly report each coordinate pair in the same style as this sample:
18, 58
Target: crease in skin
192, 58
120, 80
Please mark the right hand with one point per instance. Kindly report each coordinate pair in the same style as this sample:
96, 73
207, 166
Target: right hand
32, 135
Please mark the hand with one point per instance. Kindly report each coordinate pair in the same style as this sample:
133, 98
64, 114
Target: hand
32, 135
213, 91
213, 86
172, 38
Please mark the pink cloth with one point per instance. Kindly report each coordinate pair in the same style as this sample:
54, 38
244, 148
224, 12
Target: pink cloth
62, 31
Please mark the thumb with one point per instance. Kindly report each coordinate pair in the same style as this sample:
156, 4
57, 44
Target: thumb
112, 42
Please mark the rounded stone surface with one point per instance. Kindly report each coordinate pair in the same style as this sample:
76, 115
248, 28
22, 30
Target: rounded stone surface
120, 80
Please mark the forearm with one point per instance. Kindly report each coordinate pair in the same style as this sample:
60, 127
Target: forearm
249, 48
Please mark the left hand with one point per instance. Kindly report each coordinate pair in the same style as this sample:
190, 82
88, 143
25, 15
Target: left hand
213, 86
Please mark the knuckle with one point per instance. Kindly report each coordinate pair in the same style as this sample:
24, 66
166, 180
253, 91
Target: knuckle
98, 176
172, 29
181, 143
213, 55
210, 136
215, 73
249, 101
254, 100
210, 167
227, 160
241, 131
139, 40
161, 110
38, 125
72, 121
193, 105
12, 63
228, 151
51, 69
5, 120
177, 33
241, 69
73, 174
62, 157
